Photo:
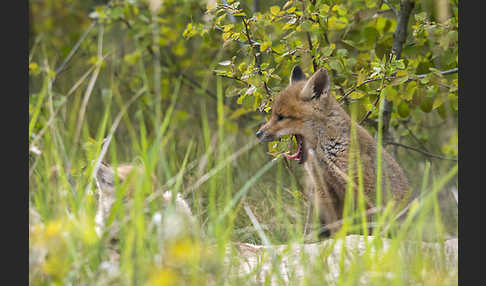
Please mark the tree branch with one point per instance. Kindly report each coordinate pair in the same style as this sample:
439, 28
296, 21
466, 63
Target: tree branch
345, 96
391, 7
378, 96
399, 37
420, 151
420, 76
415, 137
257, 59
309, 41
400, 34
232, 77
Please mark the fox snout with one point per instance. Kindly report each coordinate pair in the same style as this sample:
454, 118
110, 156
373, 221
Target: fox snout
259, 134
264, 136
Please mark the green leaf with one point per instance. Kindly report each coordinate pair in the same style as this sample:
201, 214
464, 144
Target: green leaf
357, 94
324, 8
424, 80
34, 68
341, 10
410, 91
370, 3
391, 94
291, 10
426, 104
243, 14
399, 80
189, 31
370, 34
403, 109
227, 35
326, 51
442, 111
438, 102
117, 13
227, 28
287, 4
274, 10
335, 23
265, 46
342, 52
240, 99
306, 26
335, 65
420, 17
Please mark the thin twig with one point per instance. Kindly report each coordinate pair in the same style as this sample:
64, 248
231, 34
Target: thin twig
420, 151
257, 60
379, 93
345, 96
420, 76
371, 109
391, 7
309, 41
451, 71
198, 85
232, 77
415, 137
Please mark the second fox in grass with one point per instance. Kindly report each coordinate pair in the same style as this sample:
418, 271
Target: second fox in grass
307, 110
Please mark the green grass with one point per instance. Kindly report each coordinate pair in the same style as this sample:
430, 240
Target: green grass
236, 191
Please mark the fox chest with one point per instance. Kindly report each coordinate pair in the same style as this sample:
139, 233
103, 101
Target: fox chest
334, 150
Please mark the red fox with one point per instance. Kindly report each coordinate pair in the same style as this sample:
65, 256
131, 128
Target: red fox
307, 110
105, 181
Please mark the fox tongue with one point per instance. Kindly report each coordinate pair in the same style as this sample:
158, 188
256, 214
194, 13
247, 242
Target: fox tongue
296, 156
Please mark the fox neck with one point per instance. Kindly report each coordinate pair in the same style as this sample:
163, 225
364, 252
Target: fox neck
330, 123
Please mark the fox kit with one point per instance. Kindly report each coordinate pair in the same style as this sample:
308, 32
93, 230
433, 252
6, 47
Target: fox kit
105, 181
307, 110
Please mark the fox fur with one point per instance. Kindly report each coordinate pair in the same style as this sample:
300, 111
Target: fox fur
306, 109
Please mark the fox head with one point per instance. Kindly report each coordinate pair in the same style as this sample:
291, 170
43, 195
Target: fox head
296, 109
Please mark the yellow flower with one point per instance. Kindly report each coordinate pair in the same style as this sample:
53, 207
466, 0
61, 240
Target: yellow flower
53, 229
163, 277
184, 251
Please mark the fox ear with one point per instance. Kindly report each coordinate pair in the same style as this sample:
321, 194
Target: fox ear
317, 85
297, 75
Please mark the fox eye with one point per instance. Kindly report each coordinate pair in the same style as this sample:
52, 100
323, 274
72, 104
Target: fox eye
280, 117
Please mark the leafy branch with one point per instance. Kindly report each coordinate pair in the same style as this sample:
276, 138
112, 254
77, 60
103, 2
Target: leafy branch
379, 91
418, 77
253, 49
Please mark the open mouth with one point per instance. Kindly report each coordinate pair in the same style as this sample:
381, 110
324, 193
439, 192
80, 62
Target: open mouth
299, 155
